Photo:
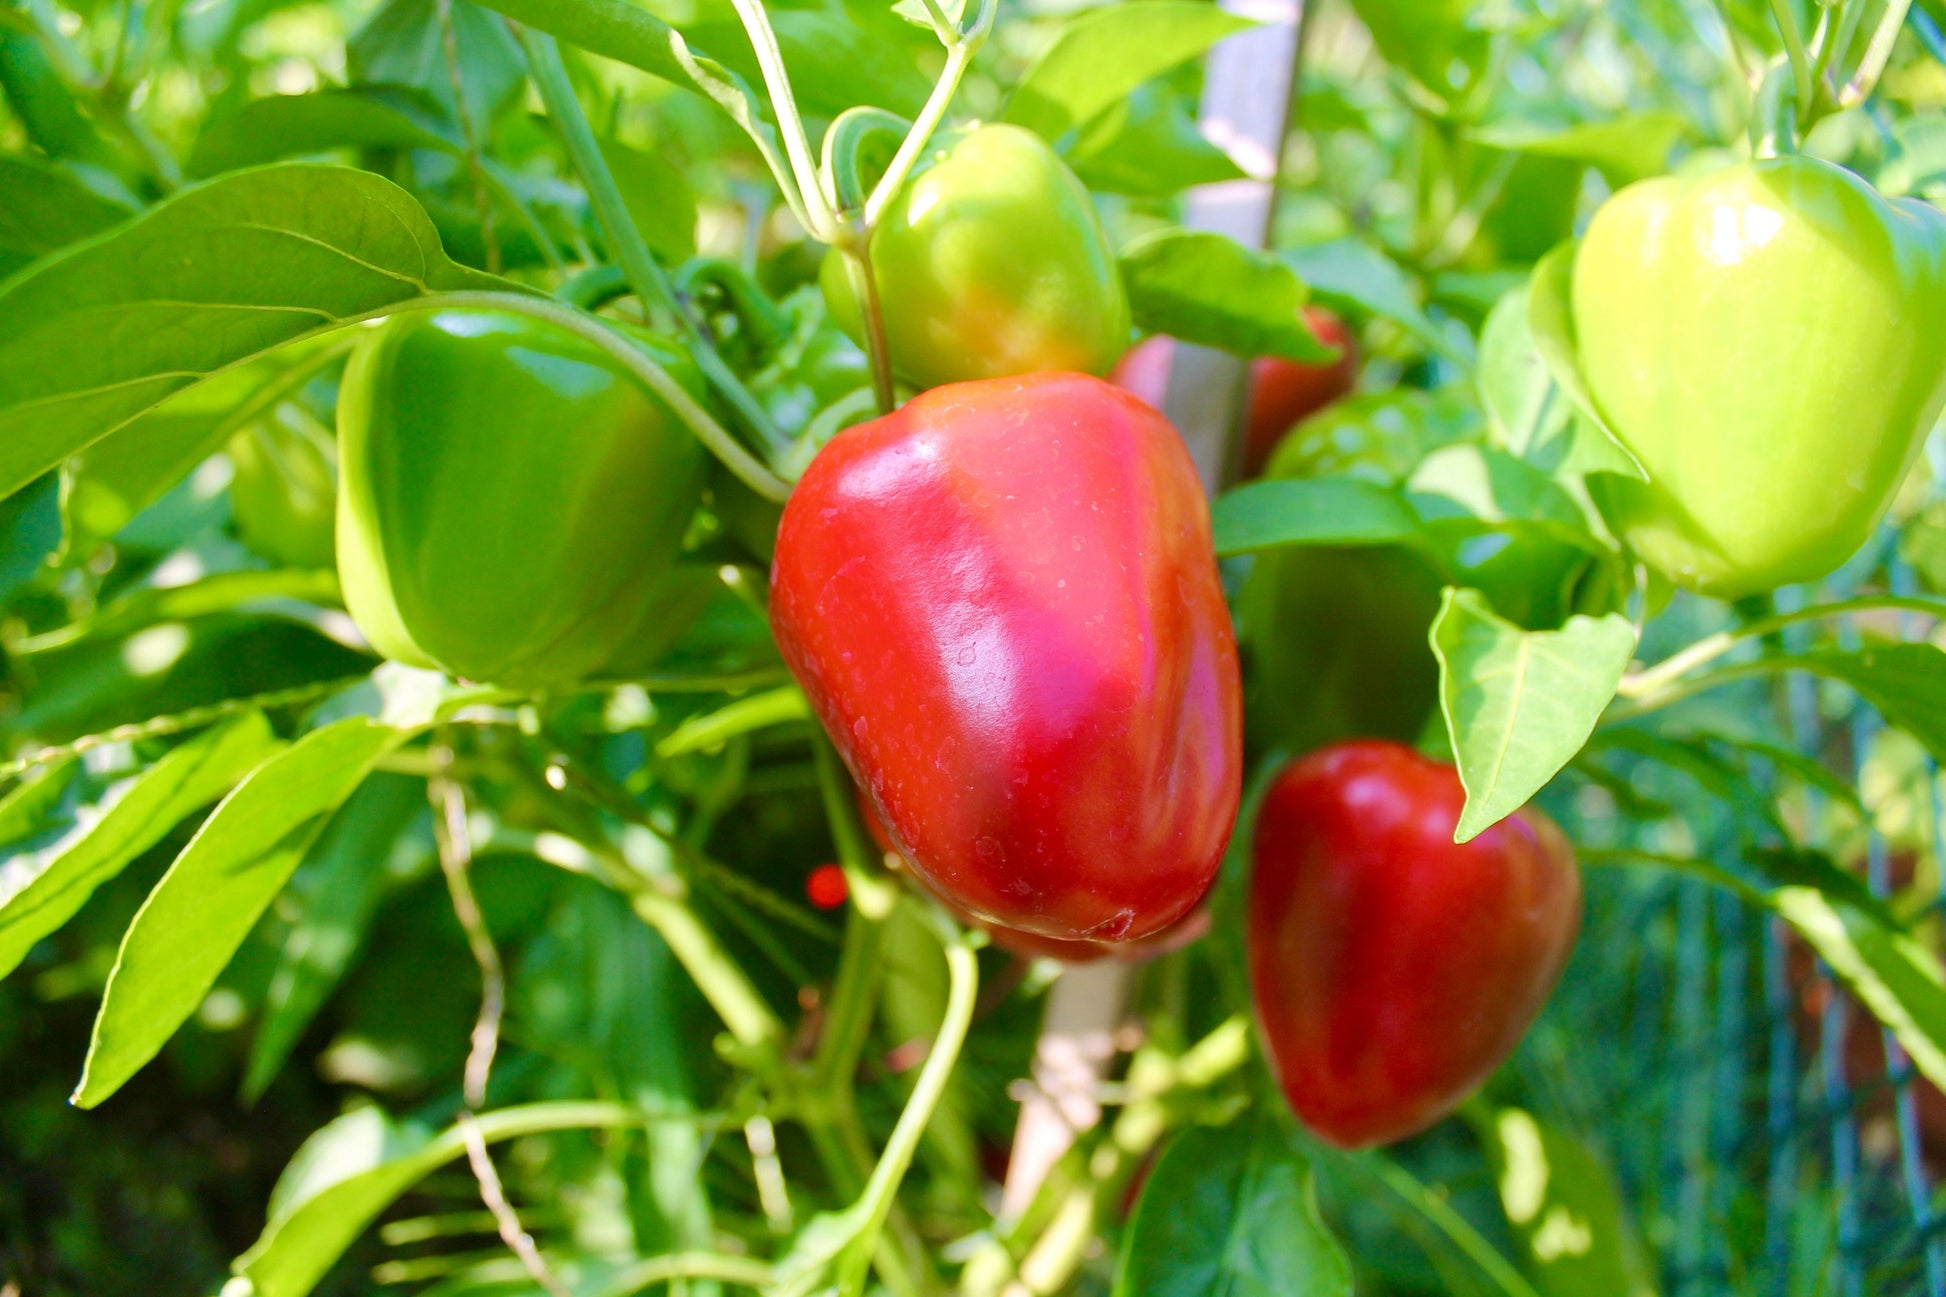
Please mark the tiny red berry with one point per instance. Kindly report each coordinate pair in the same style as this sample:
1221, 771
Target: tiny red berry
827, 887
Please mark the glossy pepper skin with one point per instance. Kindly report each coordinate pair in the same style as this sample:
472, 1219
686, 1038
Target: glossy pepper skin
1283, 393
1392, 969
1003, 604
991, 262
1769, 340
1026, 945
511, 499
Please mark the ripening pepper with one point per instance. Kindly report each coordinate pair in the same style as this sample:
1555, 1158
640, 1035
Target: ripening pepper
1393, 969
511, 498
990, 262
1769, 339
1002, 602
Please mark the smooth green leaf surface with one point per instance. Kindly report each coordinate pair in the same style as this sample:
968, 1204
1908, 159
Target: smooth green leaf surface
1905, 682
1231, 1212
404, 43
24, 811
105, 486
1105, 53
218, 274
40, 890
1550, 319
1478, 483
1517, 390
215, 892
1309, 511
658, 199
1893, 973
1565, 1210
1210, 290
351, 1170
1148, 146
46, 106
43, 209
1519, 704
1350, 274
287, 126
249, 590
337, 889
836, 61
1624, 148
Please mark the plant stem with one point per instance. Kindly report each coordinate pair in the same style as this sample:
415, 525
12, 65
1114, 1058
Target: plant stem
1877, 52
716, 975
1799, 56
743, 1271
790, 124
963, 973
455, 849
651, 285
959, 55
1689, 688
849, 1016
864, 286
846, 1158
1645, 683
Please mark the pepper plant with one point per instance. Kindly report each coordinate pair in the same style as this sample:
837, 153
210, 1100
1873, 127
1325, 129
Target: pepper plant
605, 608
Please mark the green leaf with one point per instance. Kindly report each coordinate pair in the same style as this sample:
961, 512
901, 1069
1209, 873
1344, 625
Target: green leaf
1564, 1208
1625, 149
30, 535
835, 60
25, 809
1479, 484
1106, 53
1309, 511
713, 729
404, 44
1805, 769
614, 29
251, 589
44, 104
338, 886
215, 892
1917, 160
1519, 704
1550, 317
1905, 682
105, 486
43, 209
287, 126
41, 890
1231, 1212
1516, 388
657, 197
1893, 973
107, 330
1208, 289
1350, 274
1148, 146
353, 1169
173, 667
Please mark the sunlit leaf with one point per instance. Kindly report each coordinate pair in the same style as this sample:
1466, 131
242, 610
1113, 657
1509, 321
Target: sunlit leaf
1519, 704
